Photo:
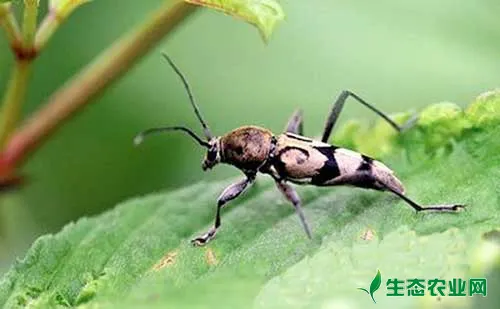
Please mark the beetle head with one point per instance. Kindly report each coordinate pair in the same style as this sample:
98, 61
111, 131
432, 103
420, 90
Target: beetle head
212, 157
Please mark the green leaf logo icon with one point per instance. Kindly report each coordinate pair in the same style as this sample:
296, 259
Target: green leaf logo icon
374, 286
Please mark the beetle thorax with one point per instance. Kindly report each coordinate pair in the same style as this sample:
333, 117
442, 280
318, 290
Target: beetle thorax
247, 147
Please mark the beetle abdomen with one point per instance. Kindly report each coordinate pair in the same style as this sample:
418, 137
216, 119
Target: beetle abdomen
352, 163
246, 147
305, 161
386, 175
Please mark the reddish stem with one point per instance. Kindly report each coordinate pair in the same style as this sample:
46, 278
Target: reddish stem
76, 94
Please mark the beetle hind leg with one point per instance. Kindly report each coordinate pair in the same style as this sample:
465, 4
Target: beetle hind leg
364, 179
434, 208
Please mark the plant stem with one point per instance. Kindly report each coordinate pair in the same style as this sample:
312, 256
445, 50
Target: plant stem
47, 28
29, 23
12, 102
111, 65
9, 23
17, 86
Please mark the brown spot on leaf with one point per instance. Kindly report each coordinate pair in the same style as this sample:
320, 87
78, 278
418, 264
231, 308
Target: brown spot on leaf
210, 257
368, 234
166, 261
492, 236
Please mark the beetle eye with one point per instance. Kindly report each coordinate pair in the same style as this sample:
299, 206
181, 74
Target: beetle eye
212, 155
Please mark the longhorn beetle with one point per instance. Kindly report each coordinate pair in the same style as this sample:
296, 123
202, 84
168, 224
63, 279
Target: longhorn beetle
291, 157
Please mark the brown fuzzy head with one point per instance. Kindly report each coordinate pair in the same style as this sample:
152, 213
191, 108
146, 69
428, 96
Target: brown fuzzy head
247, 148
212, 157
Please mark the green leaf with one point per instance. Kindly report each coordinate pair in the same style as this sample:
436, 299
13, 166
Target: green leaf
138, 254
375, 284
4, 7
63, 8
363, 289
264, 14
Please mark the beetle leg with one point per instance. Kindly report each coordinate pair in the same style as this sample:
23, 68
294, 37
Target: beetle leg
365, 179
417, 207
292, 196
230, 193
339, 104
294, 124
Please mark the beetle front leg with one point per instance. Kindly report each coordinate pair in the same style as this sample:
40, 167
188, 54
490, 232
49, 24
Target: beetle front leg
292, 196
339, 104
295, 123
230, 193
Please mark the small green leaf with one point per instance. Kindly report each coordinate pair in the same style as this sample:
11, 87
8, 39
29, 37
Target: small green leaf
375, 284
264, 14
363, 289
63, 8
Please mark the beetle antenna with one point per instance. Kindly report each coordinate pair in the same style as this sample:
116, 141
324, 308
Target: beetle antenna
140, 137
206, 130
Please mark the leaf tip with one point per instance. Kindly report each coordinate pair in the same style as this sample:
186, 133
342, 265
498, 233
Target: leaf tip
65, 7
263, 14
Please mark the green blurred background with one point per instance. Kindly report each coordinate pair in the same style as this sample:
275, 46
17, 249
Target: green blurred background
399, 55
